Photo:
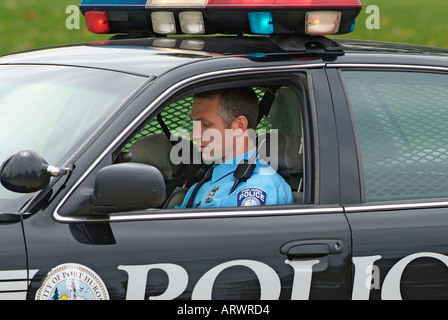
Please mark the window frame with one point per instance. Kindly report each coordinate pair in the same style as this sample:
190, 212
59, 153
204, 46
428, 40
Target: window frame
296, 83
285, 74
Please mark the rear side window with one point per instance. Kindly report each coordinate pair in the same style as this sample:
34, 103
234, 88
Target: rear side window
401, 120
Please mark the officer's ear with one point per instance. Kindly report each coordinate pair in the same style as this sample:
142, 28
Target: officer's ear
240, 124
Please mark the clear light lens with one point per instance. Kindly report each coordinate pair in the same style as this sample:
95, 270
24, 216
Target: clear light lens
261, 22
191, 22
163, 22
176, 3
322, 22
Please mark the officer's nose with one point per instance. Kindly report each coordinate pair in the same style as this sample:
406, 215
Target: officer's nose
196, 133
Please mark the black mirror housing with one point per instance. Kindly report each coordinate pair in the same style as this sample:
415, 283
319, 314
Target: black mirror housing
24, 172
127, 187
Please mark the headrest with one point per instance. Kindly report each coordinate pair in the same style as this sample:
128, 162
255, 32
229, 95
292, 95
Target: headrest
288, 158
155, 151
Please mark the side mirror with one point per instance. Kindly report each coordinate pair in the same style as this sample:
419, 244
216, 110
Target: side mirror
126, 187
24, 172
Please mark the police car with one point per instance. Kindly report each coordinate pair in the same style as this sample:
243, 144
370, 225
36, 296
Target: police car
96, 154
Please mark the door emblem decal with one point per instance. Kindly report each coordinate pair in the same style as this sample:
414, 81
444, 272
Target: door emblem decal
71, 281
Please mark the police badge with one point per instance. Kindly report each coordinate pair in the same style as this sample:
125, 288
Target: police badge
211, 194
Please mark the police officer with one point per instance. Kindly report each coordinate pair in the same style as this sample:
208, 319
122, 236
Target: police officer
223, 128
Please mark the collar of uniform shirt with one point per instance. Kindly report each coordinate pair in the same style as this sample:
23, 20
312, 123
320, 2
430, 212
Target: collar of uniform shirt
229, 166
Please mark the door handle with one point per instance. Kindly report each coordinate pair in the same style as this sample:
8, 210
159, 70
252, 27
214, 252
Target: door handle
311, 248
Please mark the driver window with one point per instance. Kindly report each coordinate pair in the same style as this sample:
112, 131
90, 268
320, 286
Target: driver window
165, 143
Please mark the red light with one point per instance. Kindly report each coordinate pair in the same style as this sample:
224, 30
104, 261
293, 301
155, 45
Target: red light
97, 21
241, 3
99, 43
319, 3
307, 4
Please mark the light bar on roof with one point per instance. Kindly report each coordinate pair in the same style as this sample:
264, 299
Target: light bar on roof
264, 17
307, 4
230, 3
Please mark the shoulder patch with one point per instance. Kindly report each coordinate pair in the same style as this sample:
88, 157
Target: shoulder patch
251, 197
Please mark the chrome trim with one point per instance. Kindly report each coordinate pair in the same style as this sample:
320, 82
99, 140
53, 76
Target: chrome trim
162, 214
391, 207
60, 218
386, 66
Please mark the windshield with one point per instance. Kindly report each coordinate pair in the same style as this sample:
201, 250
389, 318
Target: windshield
53, 109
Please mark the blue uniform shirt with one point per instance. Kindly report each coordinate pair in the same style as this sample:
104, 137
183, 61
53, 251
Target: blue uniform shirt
264, 187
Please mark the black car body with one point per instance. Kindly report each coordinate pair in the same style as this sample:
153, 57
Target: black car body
368, 172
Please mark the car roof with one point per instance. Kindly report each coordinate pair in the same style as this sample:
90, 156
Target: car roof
155, 56
138, 60
376, 52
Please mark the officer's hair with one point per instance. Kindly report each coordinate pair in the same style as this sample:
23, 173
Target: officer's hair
234, 102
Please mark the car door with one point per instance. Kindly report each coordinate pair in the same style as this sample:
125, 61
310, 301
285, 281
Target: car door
295, 251
14, 275
399, 225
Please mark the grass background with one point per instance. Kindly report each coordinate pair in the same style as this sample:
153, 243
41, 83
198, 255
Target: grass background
28, 24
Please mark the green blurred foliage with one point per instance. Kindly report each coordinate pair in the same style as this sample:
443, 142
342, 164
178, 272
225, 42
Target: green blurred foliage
28, 24
421, 22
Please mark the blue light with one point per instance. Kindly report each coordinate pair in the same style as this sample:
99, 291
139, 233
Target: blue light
352, 27
261, 22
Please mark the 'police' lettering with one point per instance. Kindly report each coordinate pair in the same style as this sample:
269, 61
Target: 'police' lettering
391, 284
137, 276
303, 273
269, 281
363, 277
270, 285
